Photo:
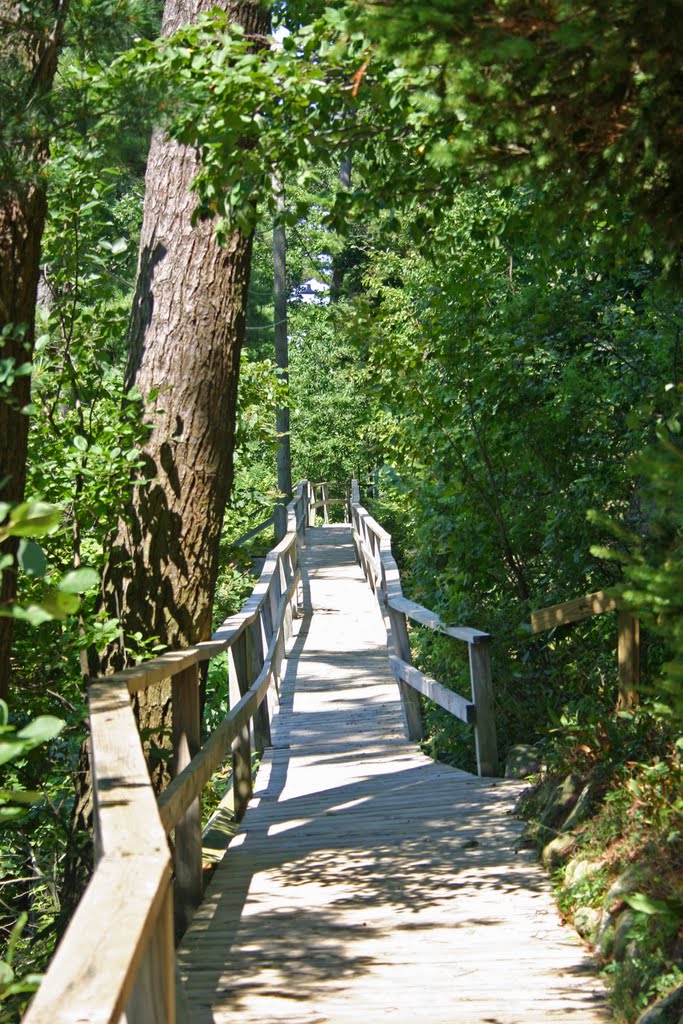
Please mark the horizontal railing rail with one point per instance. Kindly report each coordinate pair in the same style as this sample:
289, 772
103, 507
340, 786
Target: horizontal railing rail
116, 960
373, 551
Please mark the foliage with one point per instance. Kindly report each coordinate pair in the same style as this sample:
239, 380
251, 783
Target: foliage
654, 568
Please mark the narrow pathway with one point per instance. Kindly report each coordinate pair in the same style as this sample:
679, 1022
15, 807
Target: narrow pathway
366, 882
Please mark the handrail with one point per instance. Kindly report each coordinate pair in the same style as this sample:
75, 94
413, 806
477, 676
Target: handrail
373, 551
126, 963
628, 635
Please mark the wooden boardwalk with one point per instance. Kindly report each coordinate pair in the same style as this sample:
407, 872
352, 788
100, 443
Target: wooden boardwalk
366, 882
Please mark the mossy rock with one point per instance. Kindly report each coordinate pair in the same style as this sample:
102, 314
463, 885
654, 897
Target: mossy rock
558, 850
668, 1010
627, 882
587, 922
579, 869
561, 802
582, 808
522, 760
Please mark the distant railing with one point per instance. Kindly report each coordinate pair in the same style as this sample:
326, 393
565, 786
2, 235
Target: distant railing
373, 550
117, 956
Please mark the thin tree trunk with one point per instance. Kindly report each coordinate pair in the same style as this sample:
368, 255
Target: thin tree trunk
338, 263
29, 50
284, 457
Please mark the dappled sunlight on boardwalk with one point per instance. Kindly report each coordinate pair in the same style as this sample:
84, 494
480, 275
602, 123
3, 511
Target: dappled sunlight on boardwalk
367, 882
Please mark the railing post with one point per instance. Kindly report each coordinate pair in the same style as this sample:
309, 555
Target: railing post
482, 698
188, 831
410, 698
153, 999
325, 494
311, 506
628, 657
256, 648
241, 746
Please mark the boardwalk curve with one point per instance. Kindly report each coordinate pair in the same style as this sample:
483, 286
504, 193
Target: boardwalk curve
367, 882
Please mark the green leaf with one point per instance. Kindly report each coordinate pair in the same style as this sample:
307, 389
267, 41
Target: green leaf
42, 729
80, 442
79, 580
34, 614
20, 796
646, 905
31, 558
33, 519
59, 605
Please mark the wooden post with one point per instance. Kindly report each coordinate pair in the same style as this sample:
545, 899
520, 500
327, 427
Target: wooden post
241, 747
153, 999
628, 656
482, 698
255, 656
188, 831
311, 506
325, 493
410, 699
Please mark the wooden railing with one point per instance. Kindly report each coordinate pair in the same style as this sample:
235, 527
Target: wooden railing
117, 956
373, 550
628, 636
320, 498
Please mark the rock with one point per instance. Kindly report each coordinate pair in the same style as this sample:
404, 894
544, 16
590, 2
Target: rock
623, 885
622, 934
587, 922
577, 870
581, 809
604, 939
561, 801
557, 851
668, 1010
522, 760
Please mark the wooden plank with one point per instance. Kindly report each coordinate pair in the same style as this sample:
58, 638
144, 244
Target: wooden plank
153, 999
256, 645
253, 533
482, 695
187, 846
572, 611
139, 677
125, 804
412, 708
628, 658
434, 691
93, 971
431, 620
180, 793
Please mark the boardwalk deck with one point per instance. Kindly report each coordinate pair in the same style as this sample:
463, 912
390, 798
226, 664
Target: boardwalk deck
367, 882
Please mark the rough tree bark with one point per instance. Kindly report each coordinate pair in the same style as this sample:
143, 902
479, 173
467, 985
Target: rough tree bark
29, 50
186, 334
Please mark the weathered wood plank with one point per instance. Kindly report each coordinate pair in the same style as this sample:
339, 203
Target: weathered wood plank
431, 620
187, 846
180, 793
106, 944
434, 691
572, 611
628, 658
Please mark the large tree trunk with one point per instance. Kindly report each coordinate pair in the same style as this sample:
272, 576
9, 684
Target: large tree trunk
29, 48
186, 334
